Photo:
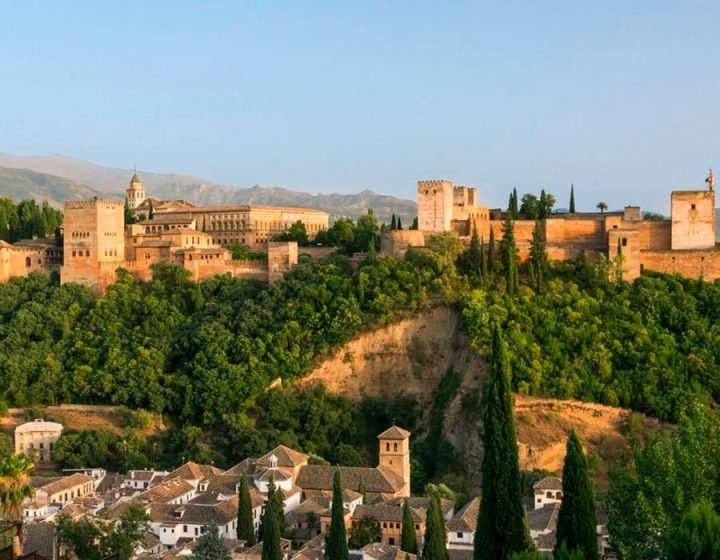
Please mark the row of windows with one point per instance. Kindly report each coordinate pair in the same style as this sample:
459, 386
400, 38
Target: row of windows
80, 234
111, 252
80, 253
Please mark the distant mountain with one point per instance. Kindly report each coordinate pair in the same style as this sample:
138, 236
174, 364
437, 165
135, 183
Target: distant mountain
24, 183
113, 181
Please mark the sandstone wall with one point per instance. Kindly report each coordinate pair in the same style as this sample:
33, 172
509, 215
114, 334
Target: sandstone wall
690, 263
435, 205
654, 235
693, 219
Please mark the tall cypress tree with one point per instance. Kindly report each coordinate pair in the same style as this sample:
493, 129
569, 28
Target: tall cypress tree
572, 199
271, 528
245, 525
501, 526
508, 253
538, 256
483, 261
336, 545
473, 257
393, 223
435, 545
491, 252
399, 223
515, 207
408, 538
577, 522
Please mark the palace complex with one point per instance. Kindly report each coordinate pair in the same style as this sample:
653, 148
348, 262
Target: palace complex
96, 242
684, 244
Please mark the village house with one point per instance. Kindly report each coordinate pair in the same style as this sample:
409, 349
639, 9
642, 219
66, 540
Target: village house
461, 528
37, 439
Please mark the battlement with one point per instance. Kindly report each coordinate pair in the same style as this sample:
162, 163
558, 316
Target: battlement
434, 184
85, 204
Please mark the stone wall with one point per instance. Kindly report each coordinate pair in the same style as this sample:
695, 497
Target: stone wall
693, 219
689, 263
435, 205
396, 243
282, 257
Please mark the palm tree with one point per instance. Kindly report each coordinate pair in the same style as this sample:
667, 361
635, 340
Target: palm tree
601, 206
15, 486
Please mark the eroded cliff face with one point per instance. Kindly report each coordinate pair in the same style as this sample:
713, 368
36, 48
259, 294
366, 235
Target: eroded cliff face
410, 357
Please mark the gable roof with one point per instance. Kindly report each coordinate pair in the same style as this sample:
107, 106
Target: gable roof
465, 520
543, 519
320, 477
548, 483
286, 457
393, 432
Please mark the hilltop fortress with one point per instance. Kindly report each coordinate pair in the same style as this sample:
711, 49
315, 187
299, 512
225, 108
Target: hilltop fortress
95, 241
684, 244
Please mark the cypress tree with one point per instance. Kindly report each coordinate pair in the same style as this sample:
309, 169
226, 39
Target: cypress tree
473, 257
483, 261
435, 545
515, 209
538, 256
542, 205
501, 526
408, 538
393, 223
399, 223
362, 491
245, 525
151, 211
508, 251
270, 527
577, 522
491, 252
572, 199
336, 546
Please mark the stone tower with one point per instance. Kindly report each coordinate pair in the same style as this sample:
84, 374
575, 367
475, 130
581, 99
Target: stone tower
135, 193
93, 242
395, 454
435, 205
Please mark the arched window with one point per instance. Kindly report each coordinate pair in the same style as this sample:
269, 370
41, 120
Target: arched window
27, 261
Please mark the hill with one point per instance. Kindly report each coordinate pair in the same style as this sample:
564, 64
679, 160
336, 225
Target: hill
24, 183
201, 191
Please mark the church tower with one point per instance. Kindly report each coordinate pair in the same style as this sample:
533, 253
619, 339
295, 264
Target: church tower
135, 193
395, 454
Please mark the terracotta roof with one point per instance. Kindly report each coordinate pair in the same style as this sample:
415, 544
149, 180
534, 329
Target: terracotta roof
380, 551
460, 554
465, 520
286, 457
220, 513
394, 433
548, 483
140, 475
65, 483
546, 542
194, 471
543, 519
391, 510
320, 477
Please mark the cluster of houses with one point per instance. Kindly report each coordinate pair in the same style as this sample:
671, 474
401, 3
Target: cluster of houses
182, 504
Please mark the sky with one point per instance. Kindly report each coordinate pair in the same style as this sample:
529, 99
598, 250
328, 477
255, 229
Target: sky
620, 98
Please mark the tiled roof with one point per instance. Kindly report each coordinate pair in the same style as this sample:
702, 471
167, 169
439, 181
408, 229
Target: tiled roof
380, 551
465, 520
110, 481
394, 433
140, 475
548, 483
194, 471
459, 554
39, 538
65, 483
546, 542
544, 518
320, 477
286, 457
220, 513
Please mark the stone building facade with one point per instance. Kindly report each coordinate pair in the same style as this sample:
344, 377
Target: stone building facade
684, 244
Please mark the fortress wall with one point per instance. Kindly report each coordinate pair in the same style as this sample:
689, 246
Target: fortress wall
654, 235
689, 263
396, 243
693, 219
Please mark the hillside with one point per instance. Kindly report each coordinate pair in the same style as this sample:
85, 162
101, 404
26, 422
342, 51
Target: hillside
113, 181
411, 356
24, 183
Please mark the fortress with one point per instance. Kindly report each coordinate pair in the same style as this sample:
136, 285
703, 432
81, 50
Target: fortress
96, 242
684, 244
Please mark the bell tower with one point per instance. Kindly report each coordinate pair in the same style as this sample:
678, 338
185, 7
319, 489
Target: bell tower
395, 454
135, 193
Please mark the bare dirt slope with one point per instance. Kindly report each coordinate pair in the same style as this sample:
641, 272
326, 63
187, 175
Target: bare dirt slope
410, 357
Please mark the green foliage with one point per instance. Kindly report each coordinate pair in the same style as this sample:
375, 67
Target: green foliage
508, 254
27, 220
124, 536
364, 532
7, 446
674, 471
245, 524
240, 252
577, 521
78, 539
408, 537
15, 485
296, 232
435, 544
270, 530
211, 546
336, 545
501, 526
697, 537
538, 263
571, 208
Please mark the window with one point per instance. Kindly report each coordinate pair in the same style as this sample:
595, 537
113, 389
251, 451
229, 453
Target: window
395, 446
692, 207
549, 494
387, 445
624, 241
459, 535
391, 541
27, 261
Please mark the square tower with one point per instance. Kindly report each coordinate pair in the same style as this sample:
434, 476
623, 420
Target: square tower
693, 219
93, 242
435, 205
395, 454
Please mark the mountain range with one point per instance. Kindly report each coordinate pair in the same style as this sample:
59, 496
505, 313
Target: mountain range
57, 178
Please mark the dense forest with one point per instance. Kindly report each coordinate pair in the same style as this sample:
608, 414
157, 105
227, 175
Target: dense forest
27, 219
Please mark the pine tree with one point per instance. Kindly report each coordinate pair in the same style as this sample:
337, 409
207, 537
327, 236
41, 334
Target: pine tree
491, 252
245, 524
336, 546
538, 256
408, 538
577, 522
508, 252
211, 546
501, 526
393, 223
572, 199
435, 545
270, 529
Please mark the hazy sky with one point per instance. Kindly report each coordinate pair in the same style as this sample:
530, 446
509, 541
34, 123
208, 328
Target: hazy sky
620, 97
